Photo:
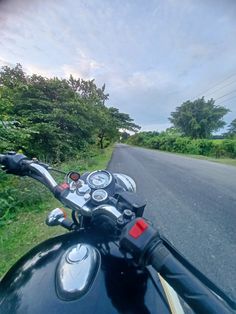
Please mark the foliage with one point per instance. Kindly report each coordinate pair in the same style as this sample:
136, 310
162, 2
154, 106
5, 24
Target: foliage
124, 136
231, 129
54, 118
175, 143
199, 118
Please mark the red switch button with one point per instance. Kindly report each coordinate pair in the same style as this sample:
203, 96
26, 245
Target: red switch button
64, 186
138, 228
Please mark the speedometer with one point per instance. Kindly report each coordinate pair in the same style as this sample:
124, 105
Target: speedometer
99, 179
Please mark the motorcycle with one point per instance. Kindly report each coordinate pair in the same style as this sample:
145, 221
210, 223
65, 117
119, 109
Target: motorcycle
112, 260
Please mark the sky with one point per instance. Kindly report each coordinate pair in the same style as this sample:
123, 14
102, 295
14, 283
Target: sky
153, 55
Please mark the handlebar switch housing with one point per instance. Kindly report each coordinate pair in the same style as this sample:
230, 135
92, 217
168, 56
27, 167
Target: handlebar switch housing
137, 238
61, 190
13, 163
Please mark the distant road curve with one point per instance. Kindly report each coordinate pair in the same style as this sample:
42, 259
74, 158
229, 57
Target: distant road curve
193, 202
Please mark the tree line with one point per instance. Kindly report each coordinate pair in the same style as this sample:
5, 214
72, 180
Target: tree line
54, 118
193, 125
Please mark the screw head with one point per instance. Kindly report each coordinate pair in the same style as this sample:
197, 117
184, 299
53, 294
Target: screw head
127, 213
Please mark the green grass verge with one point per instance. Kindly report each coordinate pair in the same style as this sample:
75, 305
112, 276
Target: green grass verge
225, 161
26, 228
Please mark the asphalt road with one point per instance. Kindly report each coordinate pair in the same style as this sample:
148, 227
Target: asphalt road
193, 202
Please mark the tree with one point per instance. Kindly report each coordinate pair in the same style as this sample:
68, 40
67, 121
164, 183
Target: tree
199, 118
12, 77
113, 123
124, 136
123, 120
231, 129
54, 118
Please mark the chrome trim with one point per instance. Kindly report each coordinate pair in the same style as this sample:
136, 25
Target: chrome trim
87, 196
107, 210
127, 181
105, 195
77, 271
44, 172
78, 202
55, 217
77, 254
83, 189
100, 187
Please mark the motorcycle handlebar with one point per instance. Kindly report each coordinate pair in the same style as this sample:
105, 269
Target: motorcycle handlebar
41, 174
19, 164
144, 243
192, 291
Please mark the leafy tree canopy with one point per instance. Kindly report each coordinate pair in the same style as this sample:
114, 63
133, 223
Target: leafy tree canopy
53, 118
199, 118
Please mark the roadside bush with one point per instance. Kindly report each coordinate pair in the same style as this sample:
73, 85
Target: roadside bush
167, 142
154, 142
229, 148
185, 145
193, 147
182, 145
205, 147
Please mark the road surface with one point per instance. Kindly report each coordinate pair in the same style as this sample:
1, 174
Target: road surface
193, 202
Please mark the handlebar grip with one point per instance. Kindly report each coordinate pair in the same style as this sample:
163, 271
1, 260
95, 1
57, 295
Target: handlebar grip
13, 162
192, 291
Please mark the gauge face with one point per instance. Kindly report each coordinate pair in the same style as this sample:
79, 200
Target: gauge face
99, 195
99, 179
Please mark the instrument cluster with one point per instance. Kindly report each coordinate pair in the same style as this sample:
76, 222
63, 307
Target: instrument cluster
94, 186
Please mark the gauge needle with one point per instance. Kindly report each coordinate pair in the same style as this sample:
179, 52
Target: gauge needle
98, 179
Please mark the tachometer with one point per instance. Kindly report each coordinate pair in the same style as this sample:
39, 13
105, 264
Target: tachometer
99, 179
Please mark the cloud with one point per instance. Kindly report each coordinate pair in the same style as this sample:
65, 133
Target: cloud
34, 69
71, 70
152, 55
5, 62
149, 79
83, 67
156, 127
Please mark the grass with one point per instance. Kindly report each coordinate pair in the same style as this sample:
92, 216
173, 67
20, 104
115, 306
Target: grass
221, 160
27, 228
226, 161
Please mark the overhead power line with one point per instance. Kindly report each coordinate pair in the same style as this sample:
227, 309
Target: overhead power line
222, 87
225, 95
225, 100
220, 82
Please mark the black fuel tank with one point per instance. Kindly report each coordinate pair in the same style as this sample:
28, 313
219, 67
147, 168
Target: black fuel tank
31, 286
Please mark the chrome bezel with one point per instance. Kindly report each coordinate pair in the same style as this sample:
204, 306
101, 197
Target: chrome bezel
101, 186
99, 191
